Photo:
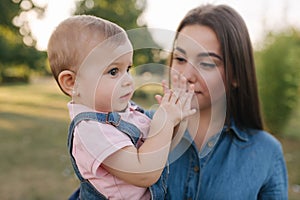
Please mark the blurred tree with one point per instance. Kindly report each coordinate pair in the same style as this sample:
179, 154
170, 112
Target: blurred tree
123, 13
279, 77
127, 14
18, 56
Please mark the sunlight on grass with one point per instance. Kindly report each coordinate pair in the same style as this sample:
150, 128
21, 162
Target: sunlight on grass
25, 102
33, 131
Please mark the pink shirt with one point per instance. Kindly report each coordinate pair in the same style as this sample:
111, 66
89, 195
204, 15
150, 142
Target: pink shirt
94, 142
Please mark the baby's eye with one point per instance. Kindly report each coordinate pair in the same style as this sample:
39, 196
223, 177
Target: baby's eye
113, 72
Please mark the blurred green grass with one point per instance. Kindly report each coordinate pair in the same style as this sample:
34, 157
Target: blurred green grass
33, 132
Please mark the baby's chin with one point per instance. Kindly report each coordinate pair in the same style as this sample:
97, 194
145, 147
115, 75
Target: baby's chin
120, 108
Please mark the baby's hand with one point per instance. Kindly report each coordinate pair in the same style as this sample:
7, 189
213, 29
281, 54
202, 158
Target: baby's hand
175, 105
165, 90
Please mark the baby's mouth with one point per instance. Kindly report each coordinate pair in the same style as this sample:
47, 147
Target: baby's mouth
126, 95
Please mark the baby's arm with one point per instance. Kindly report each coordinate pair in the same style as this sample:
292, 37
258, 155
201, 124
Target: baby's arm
178, 84
143, 167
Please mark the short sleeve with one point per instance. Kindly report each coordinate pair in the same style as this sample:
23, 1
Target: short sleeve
94, 142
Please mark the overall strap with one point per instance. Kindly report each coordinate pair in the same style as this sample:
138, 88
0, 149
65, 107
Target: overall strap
112, 118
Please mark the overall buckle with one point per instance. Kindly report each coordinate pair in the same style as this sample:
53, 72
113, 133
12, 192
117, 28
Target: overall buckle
113, 118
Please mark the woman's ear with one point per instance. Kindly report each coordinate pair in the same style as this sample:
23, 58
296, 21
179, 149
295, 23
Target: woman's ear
66, 81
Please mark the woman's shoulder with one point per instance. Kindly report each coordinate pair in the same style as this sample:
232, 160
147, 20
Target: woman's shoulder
260, 140
247, 136
264, 139
258, 144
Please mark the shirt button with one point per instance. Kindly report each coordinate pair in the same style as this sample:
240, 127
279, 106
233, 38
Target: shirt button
196, 169
210, 144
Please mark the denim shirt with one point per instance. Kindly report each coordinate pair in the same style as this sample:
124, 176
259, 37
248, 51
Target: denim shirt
233, 165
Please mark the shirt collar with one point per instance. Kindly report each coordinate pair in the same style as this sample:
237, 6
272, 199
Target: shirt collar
241, 134
211, 142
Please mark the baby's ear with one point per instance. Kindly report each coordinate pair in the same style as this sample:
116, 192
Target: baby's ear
66, 81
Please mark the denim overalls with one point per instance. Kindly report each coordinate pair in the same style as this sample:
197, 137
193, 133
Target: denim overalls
87, 191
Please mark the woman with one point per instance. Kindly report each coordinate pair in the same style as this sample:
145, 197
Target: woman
225, 154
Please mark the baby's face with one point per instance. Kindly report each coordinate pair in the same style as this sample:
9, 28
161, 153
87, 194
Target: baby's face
104, 80
115, 87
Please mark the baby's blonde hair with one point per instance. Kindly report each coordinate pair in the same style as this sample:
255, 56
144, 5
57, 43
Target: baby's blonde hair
75, 37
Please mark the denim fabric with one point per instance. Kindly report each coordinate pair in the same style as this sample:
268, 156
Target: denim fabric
87, 191
233, 165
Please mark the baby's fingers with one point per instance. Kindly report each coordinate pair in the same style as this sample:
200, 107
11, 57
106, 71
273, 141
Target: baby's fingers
191, 88
165, 87
166, 97
182, 83
187, 113
158, 98
190, 93
186, 96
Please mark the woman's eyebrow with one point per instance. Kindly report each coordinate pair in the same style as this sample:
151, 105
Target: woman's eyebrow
208, 54
180, 50
204, 54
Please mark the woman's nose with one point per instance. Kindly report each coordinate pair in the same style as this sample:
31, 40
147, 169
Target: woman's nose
189, 73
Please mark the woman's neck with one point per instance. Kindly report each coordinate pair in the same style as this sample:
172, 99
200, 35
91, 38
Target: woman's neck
206, 123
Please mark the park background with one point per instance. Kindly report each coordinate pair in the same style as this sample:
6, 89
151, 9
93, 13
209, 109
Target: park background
34, 162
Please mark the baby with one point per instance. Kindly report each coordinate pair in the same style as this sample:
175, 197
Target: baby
117, 150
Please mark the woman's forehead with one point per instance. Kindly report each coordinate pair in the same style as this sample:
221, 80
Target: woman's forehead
197, 38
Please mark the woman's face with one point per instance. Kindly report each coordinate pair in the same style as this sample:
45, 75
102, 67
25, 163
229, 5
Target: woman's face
197, 55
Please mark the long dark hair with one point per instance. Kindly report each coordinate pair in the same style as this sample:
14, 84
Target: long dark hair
242, 100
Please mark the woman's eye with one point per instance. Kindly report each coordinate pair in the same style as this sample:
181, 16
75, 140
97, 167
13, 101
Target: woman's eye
207, 65
180, 59
113, 72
